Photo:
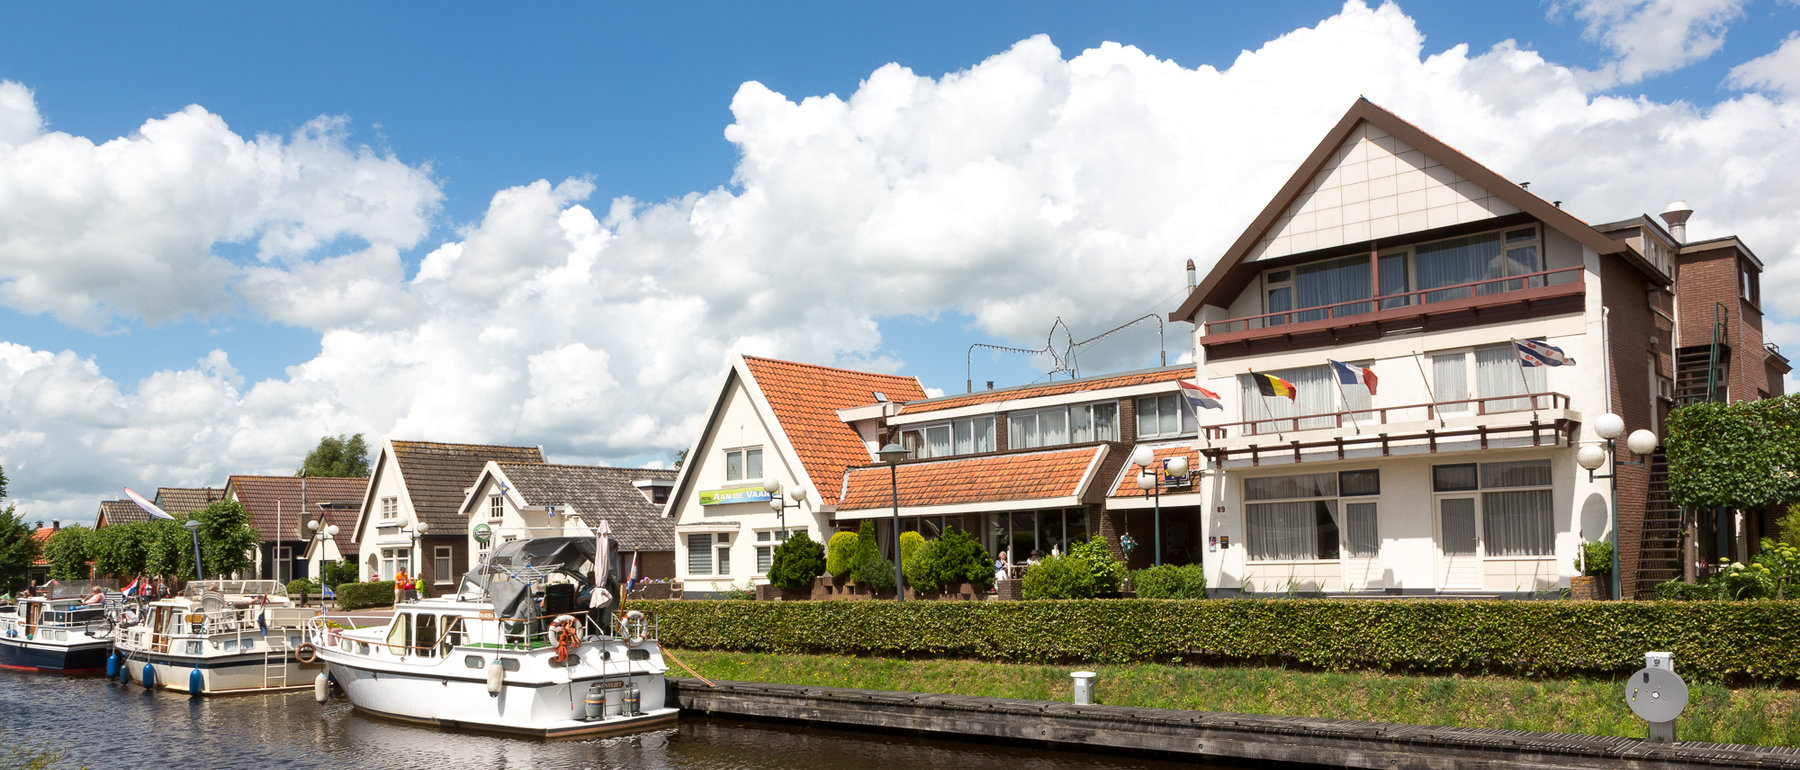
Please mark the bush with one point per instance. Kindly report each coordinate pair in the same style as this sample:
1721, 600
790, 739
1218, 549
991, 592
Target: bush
867, 547
1789, 526
1773, 574
875, 574
302, 587
951, 560
1170, 582
909, 543
839, 554
796, 562
355, 596
916, 563
1712, 641
337, 573
1598, 556
1059, 577
1108, 571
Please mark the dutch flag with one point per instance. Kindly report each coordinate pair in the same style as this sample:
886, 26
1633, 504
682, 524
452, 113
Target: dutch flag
1536, 353
134, 587
1199, 398
1354, 375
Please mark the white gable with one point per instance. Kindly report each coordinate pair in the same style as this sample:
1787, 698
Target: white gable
1376, 186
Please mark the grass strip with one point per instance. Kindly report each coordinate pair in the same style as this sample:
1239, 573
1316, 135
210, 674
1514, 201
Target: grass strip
1756, 715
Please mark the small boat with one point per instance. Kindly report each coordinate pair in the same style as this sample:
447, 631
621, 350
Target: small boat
510, 652
56, 632
217, 636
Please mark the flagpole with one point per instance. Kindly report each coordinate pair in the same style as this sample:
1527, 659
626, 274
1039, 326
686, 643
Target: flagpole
1335, 377
1523, 382
1270, 413
1435, 410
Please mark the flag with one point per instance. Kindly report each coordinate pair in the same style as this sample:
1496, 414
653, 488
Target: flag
1199, 398
1535, 353
325, 592
134, 587
149, 507
631, 581
1354, 375
1270, 385
262, 622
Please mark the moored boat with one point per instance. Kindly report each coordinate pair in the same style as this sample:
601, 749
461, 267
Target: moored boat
510, 652
56, 632
217, 636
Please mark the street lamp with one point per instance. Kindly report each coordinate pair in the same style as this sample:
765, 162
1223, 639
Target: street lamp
419, 529
892, 454
1590, 457
1151, 482
779, 504
193, 528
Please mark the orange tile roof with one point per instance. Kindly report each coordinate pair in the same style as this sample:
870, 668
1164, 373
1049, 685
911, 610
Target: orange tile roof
981, 479
805, 399
1169, 374
1127, 486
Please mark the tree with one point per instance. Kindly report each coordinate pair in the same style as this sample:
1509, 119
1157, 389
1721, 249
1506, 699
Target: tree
2, 483
680, 460
338, 456
226, 539
1743, 455
67, 552
119, 549
18, 549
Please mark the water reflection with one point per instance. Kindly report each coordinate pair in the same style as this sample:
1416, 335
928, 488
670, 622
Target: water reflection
103, 724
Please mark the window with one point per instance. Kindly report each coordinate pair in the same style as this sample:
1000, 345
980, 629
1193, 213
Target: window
1747, 283
1516, 506
1496, 373
723, 549
1335, 288
957, 437
440, 564
1063, 425
395, 559
1278, 288
1316, 392
743, 464
399, 638
1450, 381
497, 507
700, 553
426, 635
766, 540
390, 508
1165, 415
283, 568
1296, 517
1475, 258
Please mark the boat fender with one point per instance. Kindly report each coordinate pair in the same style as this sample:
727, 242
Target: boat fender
149, 677
112, 666
496, 677
321, 688
306, 653
195, 683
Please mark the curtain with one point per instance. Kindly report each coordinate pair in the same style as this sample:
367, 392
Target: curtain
1518, 523
1053, 427
1393, 280
1106, 421
1359, 529
965, 436
1450, 381
1458, 517
1525, 473
1081, 424
1304, 529
1315, 392
1329, 283
1456, 261
1285, 487
1497, 373
937, 441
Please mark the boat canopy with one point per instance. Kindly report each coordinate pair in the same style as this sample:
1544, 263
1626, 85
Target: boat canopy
197, 588
506, 577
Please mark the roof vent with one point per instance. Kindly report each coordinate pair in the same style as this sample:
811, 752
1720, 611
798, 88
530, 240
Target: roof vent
1676, 214
1193, 276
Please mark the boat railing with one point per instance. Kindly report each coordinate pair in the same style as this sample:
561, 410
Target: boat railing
514, 633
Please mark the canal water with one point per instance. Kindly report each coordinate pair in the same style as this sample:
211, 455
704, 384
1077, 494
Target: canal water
100, 723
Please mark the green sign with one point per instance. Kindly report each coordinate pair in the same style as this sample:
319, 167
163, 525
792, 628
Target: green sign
482, 533
733, 495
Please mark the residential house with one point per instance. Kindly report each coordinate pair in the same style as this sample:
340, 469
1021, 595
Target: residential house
119, 512
40, 566
279, 507
1452, 470
414, 482
179, 500
513, 500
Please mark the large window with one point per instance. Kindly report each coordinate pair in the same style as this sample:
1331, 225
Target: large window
1063, 425
390, 508
699, 548
1296, 518
496, 506
1164, 416
957, 437
743, 464
766, 540
1477, 258
1517, 508
1496, 372
393, 560
440, 564
1316, 391
1332, 288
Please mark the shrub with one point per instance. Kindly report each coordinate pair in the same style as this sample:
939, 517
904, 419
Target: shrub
1789, 526
867, 547
1059, 577
839, 554
910, 542
1773, 574
953, 559
1107, 569
336, 573
355, 596
1170, 582
1598, 556
875, 574
302, 587
796, 562
917, 566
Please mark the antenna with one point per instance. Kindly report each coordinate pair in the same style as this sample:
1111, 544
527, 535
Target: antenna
1065, 361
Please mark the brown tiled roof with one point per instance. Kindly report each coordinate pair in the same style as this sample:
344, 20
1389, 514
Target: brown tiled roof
119, 512
1167, 374
276, 505
982, 479
437, 475
805, 399
177, 500
597, 493
343, 513
1127, 486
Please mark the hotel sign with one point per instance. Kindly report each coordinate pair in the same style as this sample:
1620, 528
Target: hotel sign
733, 495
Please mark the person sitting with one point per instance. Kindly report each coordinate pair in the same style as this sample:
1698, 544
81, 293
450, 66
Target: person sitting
95, 596
999, 568
1032, 562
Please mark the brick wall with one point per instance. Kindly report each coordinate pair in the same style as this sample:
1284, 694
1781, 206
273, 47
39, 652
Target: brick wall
1632, 330
655, 564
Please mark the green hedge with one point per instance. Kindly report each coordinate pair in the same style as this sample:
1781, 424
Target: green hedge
1712, 641
355, 596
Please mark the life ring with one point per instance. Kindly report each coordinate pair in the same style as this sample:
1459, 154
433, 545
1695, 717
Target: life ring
634, 623
567, 639
306, 653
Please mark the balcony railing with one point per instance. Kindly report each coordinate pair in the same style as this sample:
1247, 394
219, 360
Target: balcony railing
1491, 405
1491, 291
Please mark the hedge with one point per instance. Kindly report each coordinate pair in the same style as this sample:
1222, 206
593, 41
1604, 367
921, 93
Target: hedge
355, 596
1712, 641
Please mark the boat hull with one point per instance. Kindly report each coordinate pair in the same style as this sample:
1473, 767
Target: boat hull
219, 674
84, 657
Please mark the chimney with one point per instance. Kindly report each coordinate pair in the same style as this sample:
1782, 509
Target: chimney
40, 525
1193, 277
1676, 215
56, 524
990, 384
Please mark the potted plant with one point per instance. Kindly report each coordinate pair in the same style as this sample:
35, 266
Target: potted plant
1595, 564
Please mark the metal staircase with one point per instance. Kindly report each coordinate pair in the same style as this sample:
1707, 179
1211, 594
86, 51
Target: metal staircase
1700, 376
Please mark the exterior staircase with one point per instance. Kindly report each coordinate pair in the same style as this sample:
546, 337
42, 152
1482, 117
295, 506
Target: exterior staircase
1700, 373
1659, 545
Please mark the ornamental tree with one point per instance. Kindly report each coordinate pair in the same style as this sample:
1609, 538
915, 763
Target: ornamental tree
18, 549
1742, 455
796, 562
67, 552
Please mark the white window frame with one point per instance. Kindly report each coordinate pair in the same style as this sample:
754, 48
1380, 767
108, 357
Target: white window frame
981, 437
283, 556
722, 554
1018, 420
1339, 501
1184, 416
1472, 384
390, 508
1480, 494
496, 507
743, 472
441, 558
699, 547
766, 541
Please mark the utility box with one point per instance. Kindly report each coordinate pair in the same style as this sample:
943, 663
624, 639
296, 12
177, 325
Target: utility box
1662, 660
1084, 687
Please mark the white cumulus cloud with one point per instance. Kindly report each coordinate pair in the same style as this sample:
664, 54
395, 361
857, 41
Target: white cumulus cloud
1650, 37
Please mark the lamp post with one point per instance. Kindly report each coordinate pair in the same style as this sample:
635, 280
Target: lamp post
419, 529
1151, 482
193, 528
780, 504
1590, 457
892, 454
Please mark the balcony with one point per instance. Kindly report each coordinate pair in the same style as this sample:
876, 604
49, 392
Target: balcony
1531, 419
1464, 304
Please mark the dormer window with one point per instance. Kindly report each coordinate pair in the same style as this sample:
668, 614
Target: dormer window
1077, 424
958, 437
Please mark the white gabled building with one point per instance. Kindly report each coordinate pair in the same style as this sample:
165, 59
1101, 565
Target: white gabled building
511, 501
422, 481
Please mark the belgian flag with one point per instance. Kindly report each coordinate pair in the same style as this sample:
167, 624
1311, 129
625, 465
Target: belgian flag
1270, 385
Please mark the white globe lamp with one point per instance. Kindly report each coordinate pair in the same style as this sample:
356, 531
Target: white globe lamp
1641, 441
1590, 457
1609, 426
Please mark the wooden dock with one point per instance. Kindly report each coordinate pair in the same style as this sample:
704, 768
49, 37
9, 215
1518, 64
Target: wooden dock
1234, 737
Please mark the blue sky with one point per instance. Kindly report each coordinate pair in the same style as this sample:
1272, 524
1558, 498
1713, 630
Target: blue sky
447, 105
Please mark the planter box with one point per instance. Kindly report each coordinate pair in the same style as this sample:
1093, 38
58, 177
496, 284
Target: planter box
1590, 587
964, 592
1009, 590
770, 593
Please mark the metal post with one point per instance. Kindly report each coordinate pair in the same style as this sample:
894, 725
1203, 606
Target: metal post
894, 485
1613, 525
1156, 537
198, 573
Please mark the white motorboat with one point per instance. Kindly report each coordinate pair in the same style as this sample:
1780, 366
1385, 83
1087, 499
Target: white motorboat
509, 652
217, 636
57, 632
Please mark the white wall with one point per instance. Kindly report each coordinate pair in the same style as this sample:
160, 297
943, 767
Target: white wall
378, 534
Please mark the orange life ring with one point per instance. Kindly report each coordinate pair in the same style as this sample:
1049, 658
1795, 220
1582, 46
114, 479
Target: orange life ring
567, 641
306, 653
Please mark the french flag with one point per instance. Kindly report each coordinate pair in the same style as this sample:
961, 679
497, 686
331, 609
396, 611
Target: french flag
1354, 375
132, 590
1199, 398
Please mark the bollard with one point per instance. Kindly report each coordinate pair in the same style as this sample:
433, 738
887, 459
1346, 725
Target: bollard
1657, 695
1084, 688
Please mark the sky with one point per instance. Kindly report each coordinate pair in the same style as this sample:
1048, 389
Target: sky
226, 234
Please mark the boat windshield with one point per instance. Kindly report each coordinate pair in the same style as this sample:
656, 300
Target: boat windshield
235, 588
73, 589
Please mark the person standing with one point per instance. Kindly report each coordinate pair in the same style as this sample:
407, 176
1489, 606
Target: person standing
400, 583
